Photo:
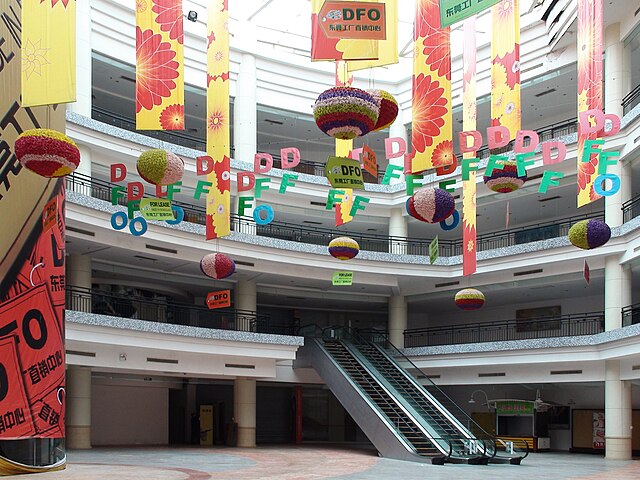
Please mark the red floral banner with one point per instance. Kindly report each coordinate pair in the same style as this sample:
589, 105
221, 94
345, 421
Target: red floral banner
506, 107
590, 95
432, 127
159, 65
469, 110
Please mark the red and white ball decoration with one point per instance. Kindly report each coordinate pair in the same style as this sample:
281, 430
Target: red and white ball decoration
217, 265
160, 167
469, 299
388, 108
431, 205
47, 152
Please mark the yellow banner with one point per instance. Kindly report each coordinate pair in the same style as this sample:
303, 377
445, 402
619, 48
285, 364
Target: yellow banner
218, 222
506, 107
343, 149
48, 52
387, 49
159, 65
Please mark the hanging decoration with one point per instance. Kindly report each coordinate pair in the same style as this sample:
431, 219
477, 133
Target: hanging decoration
48, 52
469, 109
506, 107
505, 180
588, 234
431, 126
343, 208
388, 109
431, 205
590, 89
160, 167
218, 219
159, 65
387, 48
47, 152
346, 112
217, 265
343, 248
469, 299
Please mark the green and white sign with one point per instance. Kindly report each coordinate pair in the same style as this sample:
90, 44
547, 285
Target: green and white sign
342, 278
514, 407
433, 250
453, 11
156, 209
344, 172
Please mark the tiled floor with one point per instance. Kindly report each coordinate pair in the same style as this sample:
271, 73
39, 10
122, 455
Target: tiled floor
313, 462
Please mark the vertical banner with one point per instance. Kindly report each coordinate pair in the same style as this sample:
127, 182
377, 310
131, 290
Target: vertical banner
343, 149
388, 48
590, 94
48, 52
343, 209
218, 221
506, 107
431, 127
159, 65
469, 110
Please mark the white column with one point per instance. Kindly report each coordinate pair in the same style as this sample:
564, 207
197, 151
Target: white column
613, 288
244, 408
82, 105
617, 415
245, 299
78, 274
397, 129
78, 407
245, 133
397, 228
397, 319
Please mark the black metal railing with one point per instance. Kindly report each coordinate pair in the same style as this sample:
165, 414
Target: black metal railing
521, 329
631, 315
166, 311
631, 100
631, 208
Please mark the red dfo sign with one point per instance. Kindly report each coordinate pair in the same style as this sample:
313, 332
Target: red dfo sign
360, 20
219, 299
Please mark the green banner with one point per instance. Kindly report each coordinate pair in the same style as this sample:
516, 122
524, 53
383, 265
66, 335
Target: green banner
433, 250
342, 278
514, 407
344, 172
156, 209
453, 11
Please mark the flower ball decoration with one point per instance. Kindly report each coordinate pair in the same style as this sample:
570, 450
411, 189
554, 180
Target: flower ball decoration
469, 299
506, 180
344, 248
589, 234
346, 112
47, 152
431, 205
388, 108
217, 265
160, 167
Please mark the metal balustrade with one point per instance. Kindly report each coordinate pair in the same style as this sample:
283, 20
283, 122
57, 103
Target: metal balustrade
631, 315
631, 100
631, 208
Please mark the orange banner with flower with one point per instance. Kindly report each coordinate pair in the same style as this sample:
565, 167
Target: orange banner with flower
48, 52
506, 107
590, 83
159, 65
469, 111
431, 128
218, 222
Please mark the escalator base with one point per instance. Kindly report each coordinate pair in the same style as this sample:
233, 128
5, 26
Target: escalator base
504, 460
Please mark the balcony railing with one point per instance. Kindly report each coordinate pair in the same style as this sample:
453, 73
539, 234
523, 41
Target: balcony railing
631, 208
521, 329
631, 100
369, 242
631, 315
166, 311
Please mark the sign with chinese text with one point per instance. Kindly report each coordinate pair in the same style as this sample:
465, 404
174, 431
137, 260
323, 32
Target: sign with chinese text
369, 161
219, 299
342, 278
452, 11
359, 20
50, 215
514, 407
343, 172
156, 209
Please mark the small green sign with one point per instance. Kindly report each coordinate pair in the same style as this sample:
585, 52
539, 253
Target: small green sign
344, 172
342, 278
453, 11
514, 407
156, 209
433, 250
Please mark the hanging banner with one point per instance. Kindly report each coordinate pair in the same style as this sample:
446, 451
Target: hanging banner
387, 48
343, 149
219, 299
342, 278
433, 250
453, 11
333, 49
590, 85
431, 127
343, 209
218, 220
506, 107
344, 172
586, 272
469, 109
159, 65
48, 52
355, 20
369, 161
599, 437
156, 209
